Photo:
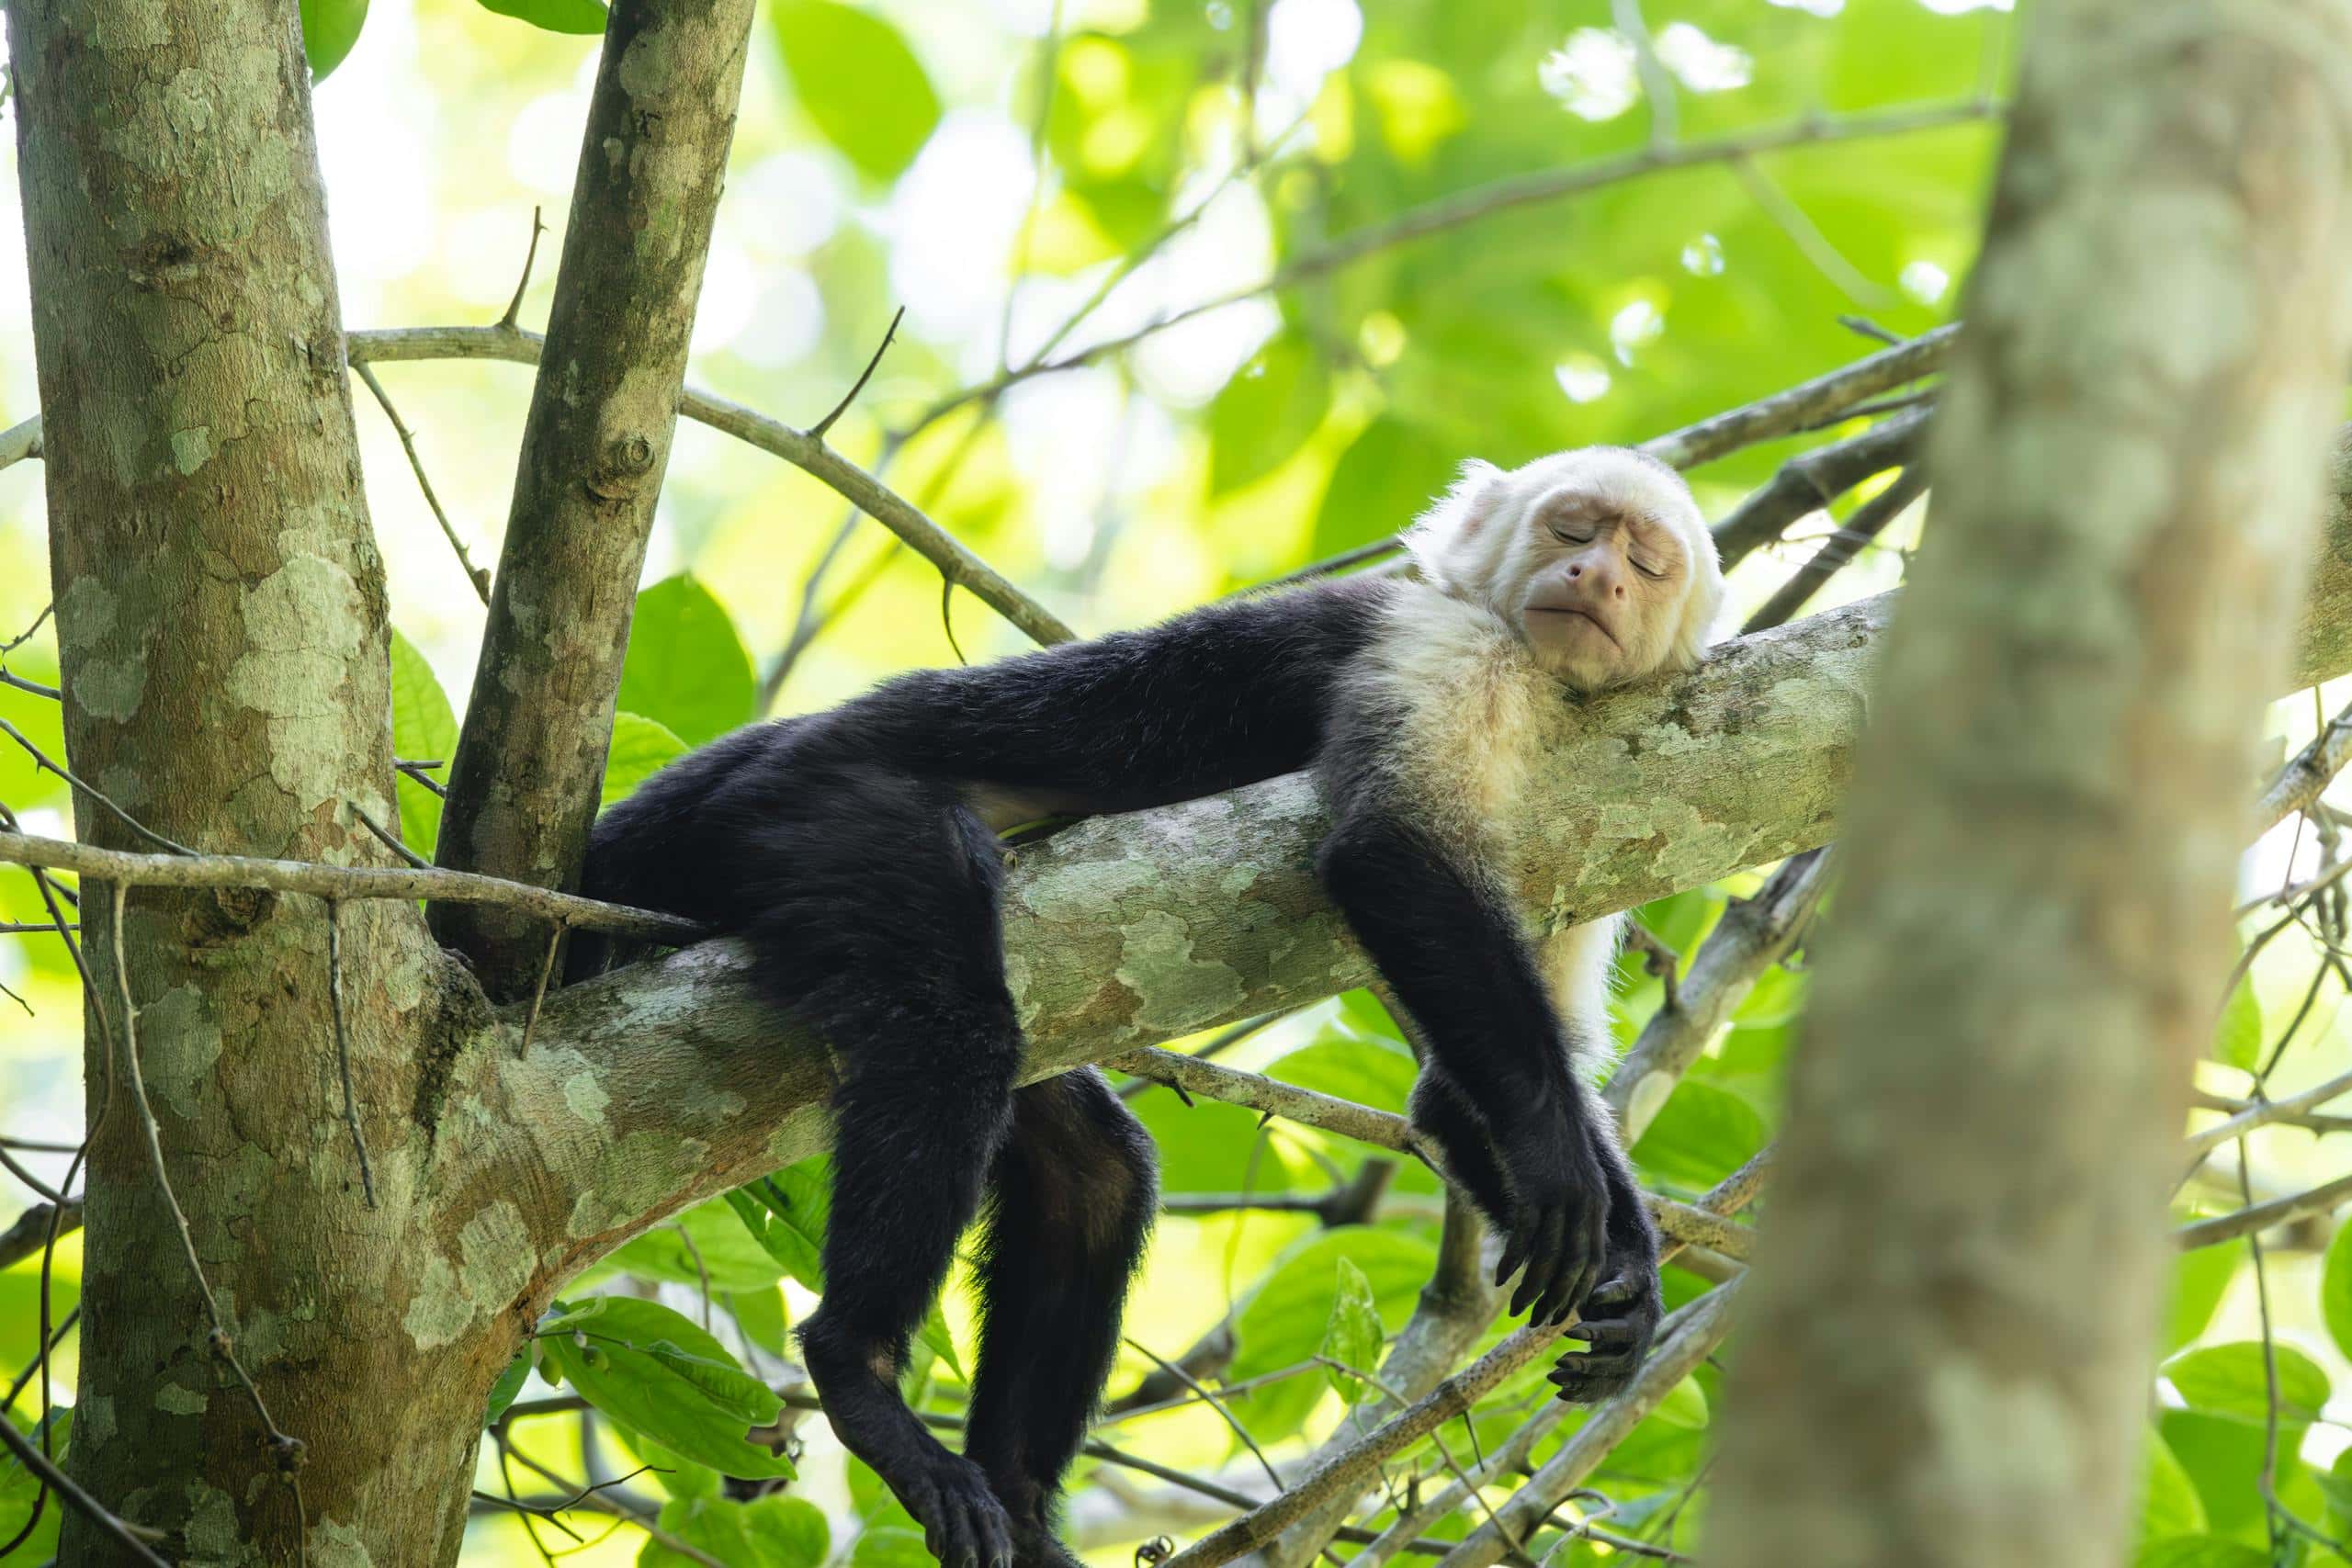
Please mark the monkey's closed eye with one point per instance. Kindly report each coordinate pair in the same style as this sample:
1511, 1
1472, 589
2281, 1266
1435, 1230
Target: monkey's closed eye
1570, 537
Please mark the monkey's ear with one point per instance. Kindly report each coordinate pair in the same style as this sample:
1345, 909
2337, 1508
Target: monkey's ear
1444, 538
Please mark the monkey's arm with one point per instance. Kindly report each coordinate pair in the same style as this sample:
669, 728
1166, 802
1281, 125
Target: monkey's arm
1448, 942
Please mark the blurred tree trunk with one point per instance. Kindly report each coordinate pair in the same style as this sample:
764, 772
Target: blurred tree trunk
220, 616
1949, 1353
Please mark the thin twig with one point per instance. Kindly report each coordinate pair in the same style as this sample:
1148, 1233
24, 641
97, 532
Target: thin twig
19, 684
817, 431
812, 456
1194, 1384
391, 840
1485, 201
1869, 521
42, 759
343, 1047
30, 1231
477, 576
129, 1537
514, 306
286, 1453
341, 882
539, 994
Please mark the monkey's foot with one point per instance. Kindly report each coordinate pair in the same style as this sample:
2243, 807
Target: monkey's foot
963, 1524
1617, 1322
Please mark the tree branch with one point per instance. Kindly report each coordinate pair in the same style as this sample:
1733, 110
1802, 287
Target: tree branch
1127, 931
530, 756
801, 449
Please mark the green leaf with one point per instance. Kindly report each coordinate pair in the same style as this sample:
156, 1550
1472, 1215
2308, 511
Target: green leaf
722, 1253
1383, 480
509, 1384
329, 29
19, 1488
655, 1371
1369, 1071
933, 1336
890, 1546
641, 749
424, 731
786, 1212
774, 1531
2200, 1276
2334, 1288
1285, 1317
760, 1315
2237, 1037
1685, 1406
2169, 1505
555, 15
859, 81
1352, 1335
2228, 1380
1266, 413
686, 669
2201, 1551
1701, 1135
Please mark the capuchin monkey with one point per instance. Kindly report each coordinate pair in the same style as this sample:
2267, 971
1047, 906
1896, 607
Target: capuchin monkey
856, 852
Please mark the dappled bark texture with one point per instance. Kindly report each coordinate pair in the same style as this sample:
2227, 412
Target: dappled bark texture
220, 620
1948, 1358
522, 787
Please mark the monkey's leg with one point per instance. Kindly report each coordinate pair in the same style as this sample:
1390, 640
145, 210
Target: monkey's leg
1445, 938
1075, 1188
1441, 1107
880, 929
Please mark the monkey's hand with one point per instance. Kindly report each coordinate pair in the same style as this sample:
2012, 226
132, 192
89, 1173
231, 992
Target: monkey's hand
1617, 1322
1559, 1217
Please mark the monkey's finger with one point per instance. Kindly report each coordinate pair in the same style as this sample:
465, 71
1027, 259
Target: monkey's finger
1599, 1331
1544, 1249
1622, 1290
996, 1539
1515, 1247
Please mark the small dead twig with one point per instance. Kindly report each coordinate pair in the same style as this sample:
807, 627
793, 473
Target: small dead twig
514, 306
477, 576
817, 431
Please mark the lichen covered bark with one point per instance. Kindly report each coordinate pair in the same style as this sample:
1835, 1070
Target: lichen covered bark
1948, 1357
522, 787
221, 617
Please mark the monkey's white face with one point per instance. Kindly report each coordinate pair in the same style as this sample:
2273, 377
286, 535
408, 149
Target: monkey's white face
1597, 558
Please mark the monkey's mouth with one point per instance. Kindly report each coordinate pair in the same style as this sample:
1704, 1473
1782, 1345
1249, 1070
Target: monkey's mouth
1571, 612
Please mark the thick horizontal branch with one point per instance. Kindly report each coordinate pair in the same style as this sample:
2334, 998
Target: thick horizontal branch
1127, 931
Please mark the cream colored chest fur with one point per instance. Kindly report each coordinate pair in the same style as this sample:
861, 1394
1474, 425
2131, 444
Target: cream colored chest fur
1476, 711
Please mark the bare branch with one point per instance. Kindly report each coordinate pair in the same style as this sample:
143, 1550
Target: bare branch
2257, 1217
1869, 521
523, 790
1811, 481
817, 431
28, 1233
477, 577
341, 882
1503, 195
927, 538
1753, 935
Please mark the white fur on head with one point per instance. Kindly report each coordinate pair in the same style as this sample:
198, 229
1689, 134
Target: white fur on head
1469, 543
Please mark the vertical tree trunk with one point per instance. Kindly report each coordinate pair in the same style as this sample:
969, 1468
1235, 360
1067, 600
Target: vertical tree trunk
1949, 1356
523, 785
220, 618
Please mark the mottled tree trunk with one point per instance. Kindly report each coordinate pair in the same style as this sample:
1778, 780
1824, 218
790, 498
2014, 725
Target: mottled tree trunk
1948, 1360
220, 618
522, 787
